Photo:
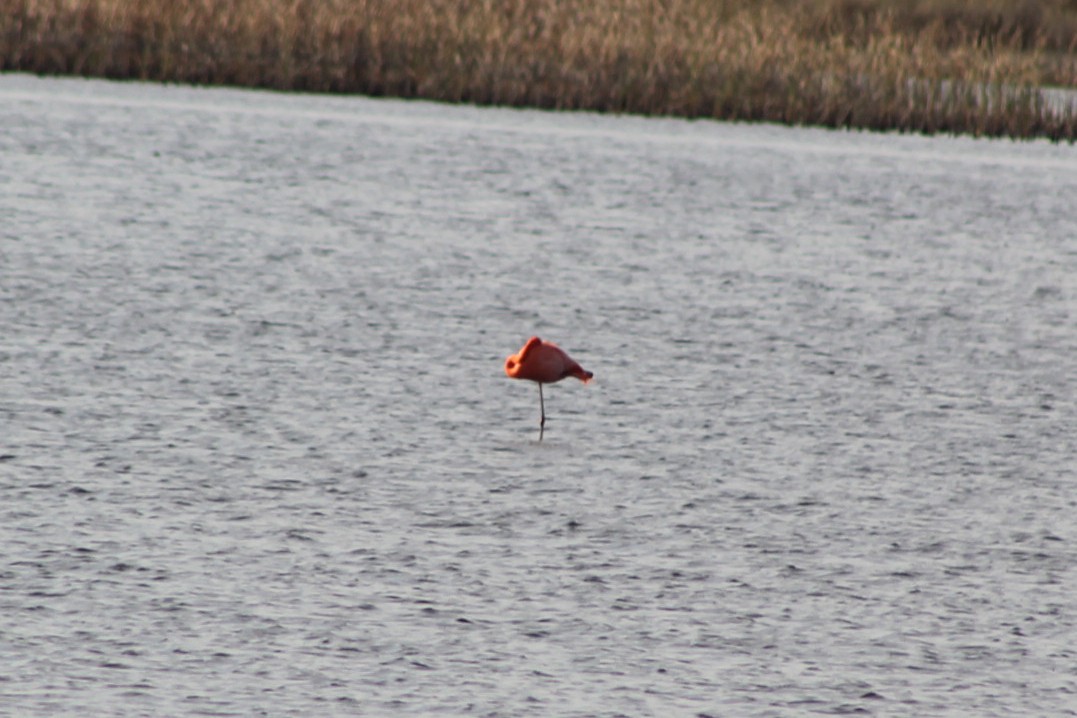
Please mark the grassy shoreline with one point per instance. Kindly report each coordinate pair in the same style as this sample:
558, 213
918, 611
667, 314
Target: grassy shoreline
953, 66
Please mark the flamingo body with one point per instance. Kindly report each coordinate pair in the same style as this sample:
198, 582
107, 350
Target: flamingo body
544, 363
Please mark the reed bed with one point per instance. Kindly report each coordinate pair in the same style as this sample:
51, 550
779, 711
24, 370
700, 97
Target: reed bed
956, 66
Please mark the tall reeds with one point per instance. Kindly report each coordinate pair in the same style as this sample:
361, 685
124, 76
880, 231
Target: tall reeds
931, 66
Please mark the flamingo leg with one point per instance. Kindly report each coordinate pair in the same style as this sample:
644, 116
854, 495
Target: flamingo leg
542, 408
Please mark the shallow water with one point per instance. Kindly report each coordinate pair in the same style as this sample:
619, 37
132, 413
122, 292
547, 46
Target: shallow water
259, 456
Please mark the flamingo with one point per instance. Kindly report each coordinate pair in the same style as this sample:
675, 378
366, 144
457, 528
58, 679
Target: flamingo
543, 363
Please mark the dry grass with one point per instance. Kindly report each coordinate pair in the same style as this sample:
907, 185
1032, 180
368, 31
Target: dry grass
932, 66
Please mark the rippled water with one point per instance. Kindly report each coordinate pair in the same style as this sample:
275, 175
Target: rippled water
259, 456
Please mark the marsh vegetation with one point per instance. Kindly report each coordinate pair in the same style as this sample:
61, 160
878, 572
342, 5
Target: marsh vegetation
930, 66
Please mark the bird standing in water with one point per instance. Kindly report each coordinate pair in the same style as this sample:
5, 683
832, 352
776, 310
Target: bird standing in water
544, 363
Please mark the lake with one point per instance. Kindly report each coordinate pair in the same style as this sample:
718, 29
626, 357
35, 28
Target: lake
259, 456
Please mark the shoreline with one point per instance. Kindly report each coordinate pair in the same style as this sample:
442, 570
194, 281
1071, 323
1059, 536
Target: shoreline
418, 113
820, 64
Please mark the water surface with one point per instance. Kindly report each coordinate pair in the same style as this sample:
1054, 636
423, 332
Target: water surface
258, 455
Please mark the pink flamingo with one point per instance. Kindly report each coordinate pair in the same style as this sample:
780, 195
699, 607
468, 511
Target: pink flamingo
544, 363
